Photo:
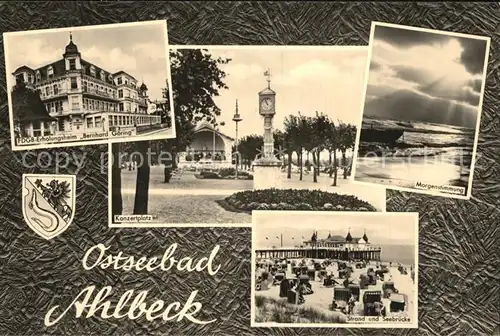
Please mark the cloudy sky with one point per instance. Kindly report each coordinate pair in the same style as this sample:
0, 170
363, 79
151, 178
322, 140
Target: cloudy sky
310, 79
425, 73
381, 228
138, 49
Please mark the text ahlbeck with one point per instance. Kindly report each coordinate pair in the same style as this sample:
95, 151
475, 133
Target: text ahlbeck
131, 305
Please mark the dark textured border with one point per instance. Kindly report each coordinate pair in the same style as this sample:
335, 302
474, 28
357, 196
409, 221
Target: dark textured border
459, 264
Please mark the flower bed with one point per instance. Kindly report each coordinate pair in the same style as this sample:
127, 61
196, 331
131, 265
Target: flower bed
224, 173
295, 199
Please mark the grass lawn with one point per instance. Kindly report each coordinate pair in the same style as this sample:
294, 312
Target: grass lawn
279, 311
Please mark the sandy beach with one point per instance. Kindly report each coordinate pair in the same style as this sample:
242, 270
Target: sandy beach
322, 297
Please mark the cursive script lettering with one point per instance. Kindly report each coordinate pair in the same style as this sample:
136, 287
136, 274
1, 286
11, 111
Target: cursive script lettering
137, 308
128, 263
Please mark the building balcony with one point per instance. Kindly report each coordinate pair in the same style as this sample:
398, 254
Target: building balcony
54, 95
50, 80
101, 94
130, 86
141, 101
124, 98
67, 112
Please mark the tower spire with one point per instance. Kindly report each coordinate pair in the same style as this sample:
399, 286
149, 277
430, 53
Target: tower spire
365, 237
268, 75
236, 105
70, 36
348, 238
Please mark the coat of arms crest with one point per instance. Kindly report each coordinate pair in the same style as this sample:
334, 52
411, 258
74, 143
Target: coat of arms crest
48, 203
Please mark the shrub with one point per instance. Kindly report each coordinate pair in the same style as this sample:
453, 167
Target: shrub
226, 173
296, 199
209, 175
260, 301
232, 172
263, 206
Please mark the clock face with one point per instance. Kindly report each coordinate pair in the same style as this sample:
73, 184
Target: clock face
266, 104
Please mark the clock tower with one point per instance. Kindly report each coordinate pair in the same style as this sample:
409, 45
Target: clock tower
267, 167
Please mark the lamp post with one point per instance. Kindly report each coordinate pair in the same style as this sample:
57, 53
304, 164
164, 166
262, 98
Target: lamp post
236, 118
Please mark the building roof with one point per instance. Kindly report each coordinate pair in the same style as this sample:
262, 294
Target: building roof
22, 68
340, 239
335, 239
125, 73
71, 48
86, 70
27, 105
267, 91
204, 126
348, 238
143, 87
59, 68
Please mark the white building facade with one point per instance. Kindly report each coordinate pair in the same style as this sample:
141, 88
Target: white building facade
210, 148
86, 99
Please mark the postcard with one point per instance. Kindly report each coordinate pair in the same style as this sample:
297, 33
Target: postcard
88, 85
422, 110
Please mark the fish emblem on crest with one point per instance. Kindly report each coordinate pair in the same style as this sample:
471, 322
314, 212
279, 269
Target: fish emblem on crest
48, 203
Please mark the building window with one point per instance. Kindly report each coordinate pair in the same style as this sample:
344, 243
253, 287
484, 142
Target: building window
72, 64
92, 71
120, 93
19, 78
30, 78
110, 78
84, 85
120, 107
60, 125
47, 90
119, 81
75, 104
50, 72
37, 131
74, 83
103, 78
97, 122
56, 89
85, 104
90, 122
38, 76
128, 107
46, 128
58, 106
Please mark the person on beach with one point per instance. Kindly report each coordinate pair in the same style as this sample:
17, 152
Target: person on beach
379, 307
300, 294
352, 302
